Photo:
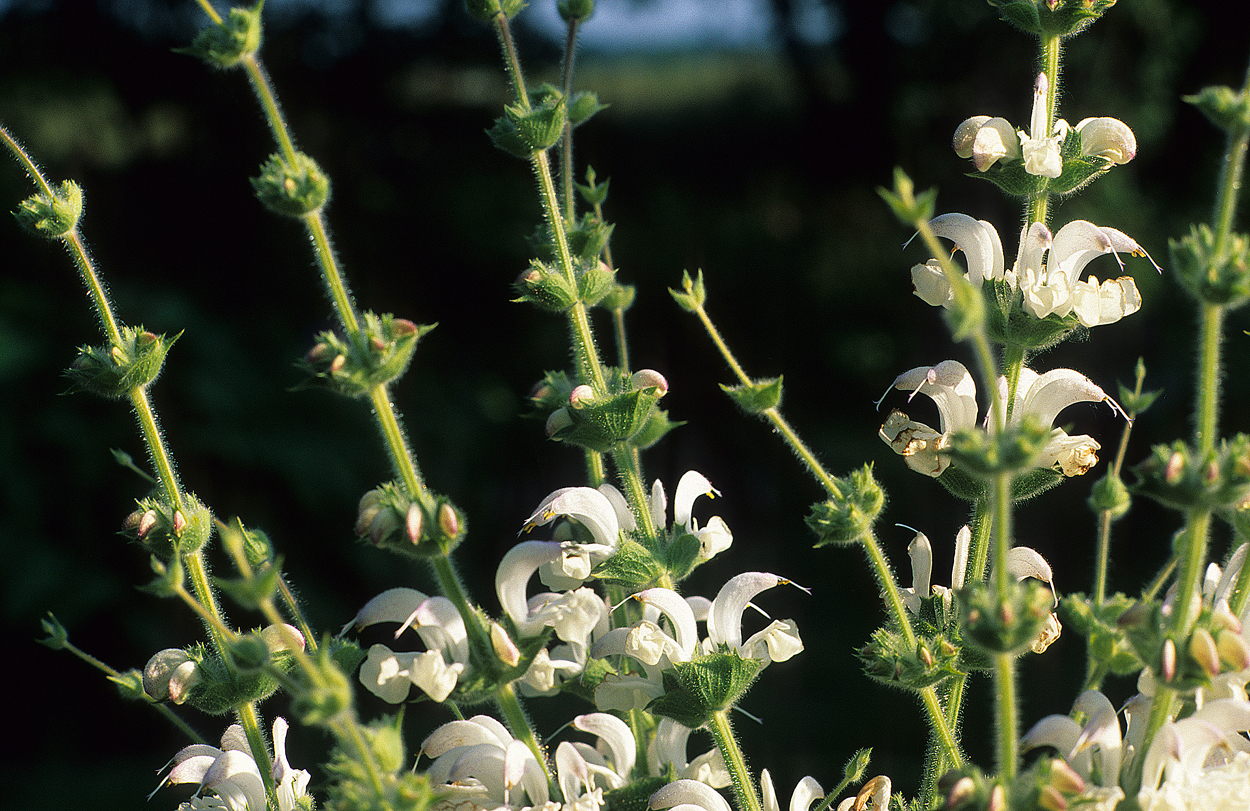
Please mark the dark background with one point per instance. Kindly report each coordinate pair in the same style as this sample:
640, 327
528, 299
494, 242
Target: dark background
759, 167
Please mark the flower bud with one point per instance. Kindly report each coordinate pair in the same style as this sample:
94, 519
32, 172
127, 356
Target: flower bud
505, 648
448, 521
1203, 651
170, 674
230, 41
986, 140
413, 522
1233, 650
1050, 799
1168, 661
293, 190
1064, 778
649, 378
558, 421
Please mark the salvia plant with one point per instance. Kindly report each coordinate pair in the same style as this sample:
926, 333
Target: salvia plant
589, 612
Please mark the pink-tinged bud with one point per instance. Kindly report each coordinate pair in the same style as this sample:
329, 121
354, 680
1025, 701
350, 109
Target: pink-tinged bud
1050, 799
581, 396
402, 328
119, 357
180, 522
963, 790
448, 521
926, 658
649, 378
998, 800
145, 338
1212, 472
558, 421
1202, 649
1234, 650
1169, 660
1175, 467
1064, 778
505, 648
146, 522
1224, 617
413, 522
338, 363
377, 343
318, 353
540, 391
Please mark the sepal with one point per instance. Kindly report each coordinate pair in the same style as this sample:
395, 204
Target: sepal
583, 104
633, 566
167, 532
487, 10
694, 295
392, 520
694, 690
600, 423
225, 44
1109, 495
294, 191
575, 9
1016, 448
113, 371
593, 192
52, 215
1107, 639
903, 201
845, 518
1051, 18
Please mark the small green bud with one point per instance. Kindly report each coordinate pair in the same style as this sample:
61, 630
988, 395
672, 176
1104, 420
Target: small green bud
1014, 449
229, 42
632, 566
695, 294
1109, 495
249, 654
903, 201
889, 659
294, 191
576, 9
846, 517
1226, 108
52, 215
167, 532
487, 10
1178, 477
595, 283
600, 422
595, 194
541, 126
620, 297
382, 354
546, 287
583, 105
1012, 627
57, 637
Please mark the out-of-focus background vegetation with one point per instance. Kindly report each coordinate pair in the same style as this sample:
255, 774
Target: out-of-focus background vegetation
747, 144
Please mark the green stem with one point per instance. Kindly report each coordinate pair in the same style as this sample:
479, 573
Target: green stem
156, 446
1039, 206
336, 285
979, 546
636, 493
519, 725
1192, 554
743, 786
1241, 589
1207, 407
512, 62
1230, 179
250, 721
566, 143
269, 104
451, 588
401, 456
1013, 362
1005, 714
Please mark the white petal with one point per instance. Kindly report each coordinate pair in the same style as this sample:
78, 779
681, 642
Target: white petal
994, 141
724, 623
480, 729
776, 643
679, 613
977, 239
616, 734
805, 793
931, 284
966, 133
431, 673
951, 386
713, 539
385, 674
691, 485
921, 553
767, 793
1052, 392
514, 573
689, 792
959, 569
237, 781
1107, 138
658, 503
392, 605
1102, 729
588, 506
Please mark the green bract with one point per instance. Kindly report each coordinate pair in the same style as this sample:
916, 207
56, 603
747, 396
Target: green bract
487, 10
1177, 476
757, 397
846, 517
695, 690
1060, 18
1211, 274
603, 423
993, 627
292, 190
889, 659
167, 532
53, 215
229, 42
114, 371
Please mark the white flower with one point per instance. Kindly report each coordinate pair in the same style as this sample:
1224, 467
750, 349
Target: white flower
695, 796
714, 538
1094, 750
655, 649
986, 140
668, 747
1039, 148
1047, 269
232, 775
436, 670
1200, 763
951, 386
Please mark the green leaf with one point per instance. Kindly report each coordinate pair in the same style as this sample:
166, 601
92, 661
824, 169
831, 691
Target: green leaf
757, 396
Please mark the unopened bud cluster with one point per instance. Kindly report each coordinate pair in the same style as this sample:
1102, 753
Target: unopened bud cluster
115, 370
292, 189
380, 354
1213, 274
626, 415
166, 531
1012, 626
1059, 18
389, 518
1214, 644
846, 517
891, 660
1180, 477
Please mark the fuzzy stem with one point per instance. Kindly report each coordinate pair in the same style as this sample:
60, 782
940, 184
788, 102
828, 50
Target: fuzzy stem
743, 786
518, 724
250, 721
1206, 409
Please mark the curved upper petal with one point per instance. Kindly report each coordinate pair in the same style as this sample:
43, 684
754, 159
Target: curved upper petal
724, 622
1107, 138
951, 386
689, 792
588, 506
616, 734
691, 485
977, 239
514, 573
679, 614
1048, 394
